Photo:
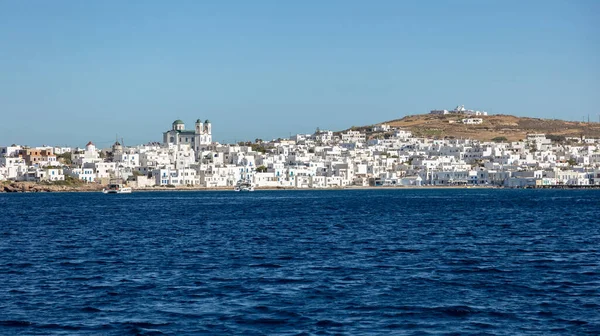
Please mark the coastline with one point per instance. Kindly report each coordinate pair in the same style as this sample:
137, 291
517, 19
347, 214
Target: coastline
32, 187
37, 187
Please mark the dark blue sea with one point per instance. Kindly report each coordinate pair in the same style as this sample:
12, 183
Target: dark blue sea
347, 262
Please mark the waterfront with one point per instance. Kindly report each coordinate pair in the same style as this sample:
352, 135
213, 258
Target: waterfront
469, 261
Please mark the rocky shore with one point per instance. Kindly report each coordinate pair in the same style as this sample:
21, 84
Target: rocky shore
94, 187
37, 187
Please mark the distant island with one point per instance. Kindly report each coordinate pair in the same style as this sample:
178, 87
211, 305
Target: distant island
442, 148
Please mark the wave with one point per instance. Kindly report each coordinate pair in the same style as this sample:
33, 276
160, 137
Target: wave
15, 323
265, 265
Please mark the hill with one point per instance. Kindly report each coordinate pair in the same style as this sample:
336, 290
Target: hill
494, 126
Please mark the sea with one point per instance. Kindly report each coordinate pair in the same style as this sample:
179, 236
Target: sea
301, 262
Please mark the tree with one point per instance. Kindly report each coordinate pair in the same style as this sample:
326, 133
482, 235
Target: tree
65, 158
258, 148
261, 169
499, 139
556, 138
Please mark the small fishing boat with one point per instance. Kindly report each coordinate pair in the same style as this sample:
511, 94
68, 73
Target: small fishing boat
116, 188
243, 185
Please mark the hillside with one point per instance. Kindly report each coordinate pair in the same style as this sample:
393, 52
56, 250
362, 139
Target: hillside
494, 126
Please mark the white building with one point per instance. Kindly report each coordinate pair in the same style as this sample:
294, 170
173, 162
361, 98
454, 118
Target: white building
87, 174
198, 138
353, 136
9, 150
55, 174
89, 155
381, 128
12, 167
472, 121
460, 109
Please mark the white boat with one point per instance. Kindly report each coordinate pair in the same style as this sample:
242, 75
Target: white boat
116, 185
242, 185
116, 188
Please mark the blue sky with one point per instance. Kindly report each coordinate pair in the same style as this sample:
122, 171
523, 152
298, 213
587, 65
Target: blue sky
74, 71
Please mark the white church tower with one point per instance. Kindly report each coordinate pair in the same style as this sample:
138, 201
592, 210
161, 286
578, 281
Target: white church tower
203, 134
199, 126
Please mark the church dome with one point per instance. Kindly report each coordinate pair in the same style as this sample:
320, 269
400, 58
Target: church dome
207, 121
198, 121
177, 122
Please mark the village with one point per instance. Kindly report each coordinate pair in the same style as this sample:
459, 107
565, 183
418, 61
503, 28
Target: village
324, 159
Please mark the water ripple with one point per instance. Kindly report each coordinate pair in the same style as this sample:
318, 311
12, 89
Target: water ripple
356, 262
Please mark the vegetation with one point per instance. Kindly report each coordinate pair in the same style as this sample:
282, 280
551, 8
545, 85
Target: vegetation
556, 138
429, 132
261, 169
511, 127
65, 158
69, 181
258, 148
500, 139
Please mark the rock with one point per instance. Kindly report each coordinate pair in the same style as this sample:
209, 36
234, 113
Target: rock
10, 188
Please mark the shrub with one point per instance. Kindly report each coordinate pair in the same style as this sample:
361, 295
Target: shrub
556, 138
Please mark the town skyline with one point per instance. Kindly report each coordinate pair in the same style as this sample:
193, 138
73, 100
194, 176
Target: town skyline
188, 158
74, 72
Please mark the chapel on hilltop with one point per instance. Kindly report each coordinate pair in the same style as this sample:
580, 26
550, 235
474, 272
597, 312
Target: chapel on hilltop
202, 135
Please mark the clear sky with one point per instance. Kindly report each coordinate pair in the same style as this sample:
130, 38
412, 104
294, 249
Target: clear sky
74, 71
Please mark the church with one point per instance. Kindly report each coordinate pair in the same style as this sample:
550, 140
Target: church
196, 138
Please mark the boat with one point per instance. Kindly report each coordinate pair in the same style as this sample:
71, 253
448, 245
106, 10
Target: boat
116, 187
116, 184
244, 185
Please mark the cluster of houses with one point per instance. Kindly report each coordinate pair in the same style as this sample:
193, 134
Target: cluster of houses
460, 109
323, 159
